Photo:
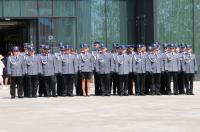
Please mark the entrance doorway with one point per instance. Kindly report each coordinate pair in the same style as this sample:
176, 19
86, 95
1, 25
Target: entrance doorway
13, 32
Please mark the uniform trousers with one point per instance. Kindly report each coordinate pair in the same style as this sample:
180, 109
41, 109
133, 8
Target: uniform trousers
155, 83
174, 76
181, 82
140, 83
164, 83
32, 83
68, 81
147, 84
79, 84
16, 81
98, 90
189, 78
123, 84
25, 85
130, 83
59, 85
114, 83
41, 85
50, 88
105, 83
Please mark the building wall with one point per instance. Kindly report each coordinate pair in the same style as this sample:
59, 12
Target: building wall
178, 22
74, 21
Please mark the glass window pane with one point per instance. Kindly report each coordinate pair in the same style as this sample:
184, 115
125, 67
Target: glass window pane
197, 32
62, 30
29, 8
98, 23
105, 20
45, 29
64, 7
45, 7
174, 20
1, 8
11, 8
113, 21
84, 22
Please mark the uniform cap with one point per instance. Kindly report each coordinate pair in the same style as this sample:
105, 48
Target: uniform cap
15, 48
31, 48
46, 47
84, 45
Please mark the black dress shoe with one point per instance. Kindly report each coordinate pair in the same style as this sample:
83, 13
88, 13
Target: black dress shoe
20, 97
125, 94
12, 97
158, 93
176, 94
142, 94
103, 94
64, 95
70, 95
137, 94
54, 96
191, 93
152, 93
169, 93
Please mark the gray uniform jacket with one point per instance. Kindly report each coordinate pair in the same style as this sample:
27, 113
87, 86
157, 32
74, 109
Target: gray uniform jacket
33, 65
104, 63
140, 63
172, 62
156, 62
164, 58
114, 58
16, 66
69, 64
123, 64
58, 61
189, 63
49, 65
86, 62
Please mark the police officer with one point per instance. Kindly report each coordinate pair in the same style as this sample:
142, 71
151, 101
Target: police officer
190, 68
86, 67
78, 80
95, 51
123, 68
130, 52
59, 75
104, 66
49, 68
41, 90
164, 73
140, 67
69, 69
114, 75
33, 66
181, 75
16, 70
172, 65
25, 78
156, 62
147, 74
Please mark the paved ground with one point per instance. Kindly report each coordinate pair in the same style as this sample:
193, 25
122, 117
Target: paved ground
108, 114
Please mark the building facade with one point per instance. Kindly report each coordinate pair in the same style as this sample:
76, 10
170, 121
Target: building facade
110, 21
